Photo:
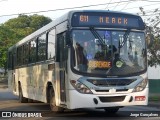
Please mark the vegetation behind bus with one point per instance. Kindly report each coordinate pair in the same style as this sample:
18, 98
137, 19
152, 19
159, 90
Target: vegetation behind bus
15, 29
154, 52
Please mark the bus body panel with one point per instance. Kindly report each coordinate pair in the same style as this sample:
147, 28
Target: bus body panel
11, 80
78, 100
33, 81
35, 76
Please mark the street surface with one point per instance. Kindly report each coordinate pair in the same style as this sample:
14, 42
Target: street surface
9, 103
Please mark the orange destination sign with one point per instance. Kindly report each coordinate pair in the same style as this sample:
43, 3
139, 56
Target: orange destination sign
99, 64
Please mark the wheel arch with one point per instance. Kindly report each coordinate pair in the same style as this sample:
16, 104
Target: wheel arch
19, 85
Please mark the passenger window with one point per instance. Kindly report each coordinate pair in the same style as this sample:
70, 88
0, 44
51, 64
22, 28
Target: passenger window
42, 47
26, 53
19, 55
10, 60
32, 51
51, 44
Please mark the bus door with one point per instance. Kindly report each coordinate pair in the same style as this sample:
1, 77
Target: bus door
62, 63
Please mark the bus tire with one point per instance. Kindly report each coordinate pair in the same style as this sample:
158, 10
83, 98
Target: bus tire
21, 98
52, 102
111, 110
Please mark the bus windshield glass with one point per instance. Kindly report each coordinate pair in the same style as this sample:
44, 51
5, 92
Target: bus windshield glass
108, 52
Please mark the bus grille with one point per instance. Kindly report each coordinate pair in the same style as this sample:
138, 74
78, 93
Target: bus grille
112, 99
117, 90
111, 82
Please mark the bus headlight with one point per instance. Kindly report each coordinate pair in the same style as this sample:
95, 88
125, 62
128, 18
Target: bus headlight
80, 87
141, 86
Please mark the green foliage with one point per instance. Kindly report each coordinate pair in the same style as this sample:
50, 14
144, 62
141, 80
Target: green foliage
25, 25
154, 52
15, 29
6, 40
37, 21
22, 21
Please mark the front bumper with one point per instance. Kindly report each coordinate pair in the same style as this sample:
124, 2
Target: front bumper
78, 100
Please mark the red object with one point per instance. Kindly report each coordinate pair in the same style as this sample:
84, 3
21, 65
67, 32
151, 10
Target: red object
140, 98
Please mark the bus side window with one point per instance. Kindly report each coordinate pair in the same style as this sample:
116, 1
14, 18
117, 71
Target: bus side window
32, 51
19, 56
26, 53
42, 47
10, 60
51, 44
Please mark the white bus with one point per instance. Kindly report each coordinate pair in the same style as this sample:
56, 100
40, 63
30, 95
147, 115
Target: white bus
84, 59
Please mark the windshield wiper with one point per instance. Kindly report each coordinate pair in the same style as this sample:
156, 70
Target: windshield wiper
125, 36
97, 36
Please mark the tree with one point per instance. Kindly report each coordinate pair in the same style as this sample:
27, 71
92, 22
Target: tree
154, 52
15, 29
25, 25
154, 47
152, 22
37, 21
7, 38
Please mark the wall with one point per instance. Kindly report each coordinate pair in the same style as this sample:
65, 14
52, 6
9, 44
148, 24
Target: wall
154, 80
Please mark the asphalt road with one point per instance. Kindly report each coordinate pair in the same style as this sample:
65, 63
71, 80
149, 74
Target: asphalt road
9, 103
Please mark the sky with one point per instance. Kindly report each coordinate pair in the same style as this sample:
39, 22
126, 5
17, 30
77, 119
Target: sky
11, 8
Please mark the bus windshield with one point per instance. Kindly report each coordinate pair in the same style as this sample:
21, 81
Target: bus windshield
108, 52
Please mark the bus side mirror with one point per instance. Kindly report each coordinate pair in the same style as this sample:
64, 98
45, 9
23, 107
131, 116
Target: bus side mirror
149, 40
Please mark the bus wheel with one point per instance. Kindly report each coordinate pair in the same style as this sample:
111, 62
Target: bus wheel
111, 110
21, 98
52, 102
